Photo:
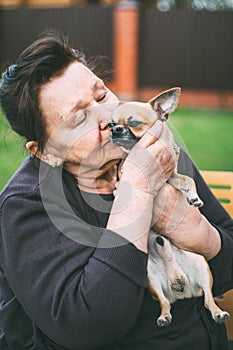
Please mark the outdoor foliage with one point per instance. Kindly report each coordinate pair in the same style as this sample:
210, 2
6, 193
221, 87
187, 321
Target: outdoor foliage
12, 152
209, 5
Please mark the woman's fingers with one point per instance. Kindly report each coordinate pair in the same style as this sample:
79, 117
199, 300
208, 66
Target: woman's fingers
152, 134
152, 160
159, 131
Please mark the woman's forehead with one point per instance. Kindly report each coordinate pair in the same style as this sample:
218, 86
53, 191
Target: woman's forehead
75, 76
71, 89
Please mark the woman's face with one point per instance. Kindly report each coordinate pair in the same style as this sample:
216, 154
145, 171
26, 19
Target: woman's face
77, 108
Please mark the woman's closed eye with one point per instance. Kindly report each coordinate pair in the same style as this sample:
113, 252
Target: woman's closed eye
100, 91
101, 97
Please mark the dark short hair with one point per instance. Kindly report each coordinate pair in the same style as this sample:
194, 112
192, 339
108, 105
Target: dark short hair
41, 61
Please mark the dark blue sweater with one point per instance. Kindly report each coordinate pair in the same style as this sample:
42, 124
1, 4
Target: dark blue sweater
67, 283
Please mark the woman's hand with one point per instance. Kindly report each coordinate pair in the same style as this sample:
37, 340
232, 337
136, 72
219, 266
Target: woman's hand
152, 160
145, 170
187, 228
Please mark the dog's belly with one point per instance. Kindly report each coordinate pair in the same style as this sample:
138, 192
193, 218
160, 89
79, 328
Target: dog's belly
179, 277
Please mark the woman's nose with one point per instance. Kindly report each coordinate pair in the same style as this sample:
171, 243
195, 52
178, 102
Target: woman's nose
104, 118
103, 113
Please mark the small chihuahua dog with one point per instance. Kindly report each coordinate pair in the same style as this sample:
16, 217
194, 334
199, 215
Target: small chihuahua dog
173, 273
130, 121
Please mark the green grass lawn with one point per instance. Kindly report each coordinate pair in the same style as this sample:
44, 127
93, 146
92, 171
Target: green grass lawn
12, 152
206, 135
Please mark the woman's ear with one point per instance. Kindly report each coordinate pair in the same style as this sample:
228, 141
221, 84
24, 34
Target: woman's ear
32, 147
45, 156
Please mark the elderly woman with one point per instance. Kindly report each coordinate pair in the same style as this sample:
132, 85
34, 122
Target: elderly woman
74, 256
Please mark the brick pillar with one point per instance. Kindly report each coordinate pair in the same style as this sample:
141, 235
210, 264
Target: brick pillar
126, 23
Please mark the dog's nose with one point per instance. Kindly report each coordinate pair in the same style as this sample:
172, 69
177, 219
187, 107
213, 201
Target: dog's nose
117, 130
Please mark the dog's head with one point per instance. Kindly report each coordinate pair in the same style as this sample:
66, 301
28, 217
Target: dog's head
130, 120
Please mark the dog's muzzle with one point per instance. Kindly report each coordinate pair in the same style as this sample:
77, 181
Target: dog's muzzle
123, 137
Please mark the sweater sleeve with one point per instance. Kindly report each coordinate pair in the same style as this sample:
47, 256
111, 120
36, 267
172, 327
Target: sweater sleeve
222, 264
79, 296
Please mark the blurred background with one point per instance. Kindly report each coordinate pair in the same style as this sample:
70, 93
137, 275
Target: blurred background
148, 46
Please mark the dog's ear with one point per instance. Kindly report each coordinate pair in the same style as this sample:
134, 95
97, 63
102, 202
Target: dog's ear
166, 102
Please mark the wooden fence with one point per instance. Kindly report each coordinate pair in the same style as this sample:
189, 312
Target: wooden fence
187, 48
89, 28
191, 49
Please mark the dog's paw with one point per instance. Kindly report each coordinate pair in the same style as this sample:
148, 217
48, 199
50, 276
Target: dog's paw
194, 200
164, 320
221, 317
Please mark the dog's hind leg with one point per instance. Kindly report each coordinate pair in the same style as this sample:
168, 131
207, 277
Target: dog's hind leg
205, 281
186, 184
218, 315
165, 318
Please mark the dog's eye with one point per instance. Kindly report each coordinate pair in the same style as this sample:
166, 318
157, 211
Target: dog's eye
111, 124
134, 123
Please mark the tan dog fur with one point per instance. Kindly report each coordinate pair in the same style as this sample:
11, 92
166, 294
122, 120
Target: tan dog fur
173, 273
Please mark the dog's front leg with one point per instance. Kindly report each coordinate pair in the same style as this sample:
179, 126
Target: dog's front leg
186, 184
